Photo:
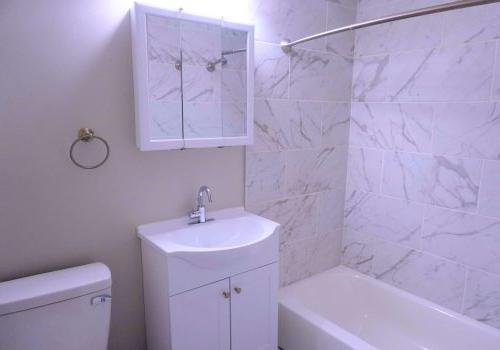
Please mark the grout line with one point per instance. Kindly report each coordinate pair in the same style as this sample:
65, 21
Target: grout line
424, 204
300, 100
425, 252
426, 154
427, 48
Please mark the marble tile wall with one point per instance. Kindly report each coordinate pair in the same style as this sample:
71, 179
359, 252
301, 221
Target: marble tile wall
296, 168
422, 209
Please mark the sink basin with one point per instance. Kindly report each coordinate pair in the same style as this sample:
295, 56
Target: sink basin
235, 241
219, 234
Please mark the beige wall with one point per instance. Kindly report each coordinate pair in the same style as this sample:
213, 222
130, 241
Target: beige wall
64, 65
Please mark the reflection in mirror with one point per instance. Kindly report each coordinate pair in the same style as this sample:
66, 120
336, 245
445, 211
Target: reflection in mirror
201, 44
213, 80
234, 85
164, 77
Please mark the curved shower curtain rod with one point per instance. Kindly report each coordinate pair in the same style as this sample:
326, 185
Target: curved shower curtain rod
286, 45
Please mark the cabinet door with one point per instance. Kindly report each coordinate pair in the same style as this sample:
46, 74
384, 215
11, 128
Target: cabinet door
199, 318
254, 309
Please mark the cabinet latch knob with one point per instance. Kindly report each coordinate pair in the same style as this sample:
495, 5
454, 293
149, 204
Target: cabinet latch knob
237, 290
226, 295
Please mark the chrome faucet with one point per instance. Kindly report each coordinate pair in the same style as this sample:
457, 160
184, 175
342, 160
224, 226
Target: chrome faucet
199, 212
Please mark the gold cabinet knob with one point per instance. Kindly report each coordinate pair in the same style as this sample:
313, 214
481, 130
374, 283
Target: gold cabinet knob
237, 290
226, 295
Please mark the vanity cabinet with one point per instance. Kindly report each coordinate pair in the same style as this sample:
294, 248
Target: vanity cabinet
254, 309
238, 313
211, 286
200, 318
193, 80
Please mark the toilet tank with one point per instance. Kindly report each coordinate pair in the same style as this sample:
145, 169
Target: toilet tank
62, 310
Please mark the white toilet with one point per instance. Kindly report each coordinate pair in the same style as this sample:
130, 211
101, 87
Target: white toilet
62, 310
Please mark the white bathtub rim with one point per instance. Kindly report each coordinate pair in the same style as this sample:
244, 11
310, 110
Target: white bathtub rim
286, 299
327, 326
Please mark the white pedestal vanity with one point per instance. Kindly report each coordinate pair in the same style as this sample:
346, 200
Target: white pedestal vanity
211, 286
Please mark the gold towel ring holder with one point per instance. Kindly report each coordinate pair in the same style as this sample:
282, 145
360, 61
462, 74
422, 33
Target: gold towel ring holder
87, 135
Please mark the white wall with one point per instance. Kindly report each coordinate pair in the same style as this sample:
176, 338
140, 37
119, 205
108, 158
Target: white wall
64, 65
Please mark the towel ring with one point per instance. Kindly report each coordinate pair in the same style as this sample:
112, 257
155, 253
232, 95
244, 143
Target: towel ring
87, 135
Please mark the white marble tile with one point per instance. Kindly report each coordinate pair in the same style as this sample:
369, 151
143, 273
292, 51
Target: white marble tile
304, 124
307, 257
458, 73
392, 126
391, 219
394, 6
468, 239
272, 68
277, 20
265, 176
166, 120
352, 4
446, 182
467, 130
410, 34
234, 119
202, 120
482, 297
358, 250
335, 123
311, 171
364, 169
286, 124
489, 195
200, 42
297, 216
339, 16
200, 85
368, 9
164, 82
233, 85
370, 78
481, 23
320, 76
271, 127
163, 39
330, 210
427, 276
372, 40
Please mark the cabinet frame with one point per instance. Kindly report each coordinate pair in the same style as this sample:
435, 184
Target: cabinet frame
144, 141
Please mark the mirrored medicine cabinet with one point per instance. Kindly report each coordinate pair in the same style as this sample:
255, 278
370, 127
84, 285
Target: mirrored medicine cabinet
193, 80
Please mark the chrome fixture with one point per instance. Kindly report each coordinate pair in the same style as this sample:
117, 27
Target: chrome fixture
287, 45
222, 60
232, 52
199, 212
87, 135
211, 65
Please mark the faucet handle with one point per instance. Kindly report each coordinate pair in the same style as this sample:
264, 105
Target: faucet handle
204, 189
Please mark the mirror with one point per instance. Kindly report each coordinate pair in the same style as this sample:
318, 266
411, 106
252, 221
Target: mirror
198, 80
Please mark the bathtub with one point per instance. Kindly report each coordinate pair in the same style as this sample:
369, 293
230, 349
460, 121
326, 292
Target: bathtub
342, 309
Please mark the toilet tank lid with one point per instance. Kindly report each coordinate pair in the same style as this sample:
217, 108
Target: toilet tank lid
52, 287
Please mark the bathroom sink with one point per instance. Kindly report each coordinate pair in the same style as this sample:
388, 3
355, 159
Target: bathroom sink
218, 234
234, 241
